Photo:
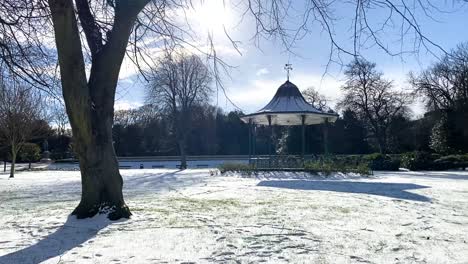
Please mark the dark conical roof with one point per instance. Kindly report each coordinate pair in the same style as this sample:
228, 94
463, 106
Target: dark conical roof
289, 99
288, 89
287, 107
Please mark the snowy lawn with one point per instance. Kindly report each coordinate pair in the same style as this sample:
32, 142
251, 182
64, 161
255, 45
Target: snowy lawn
193, 217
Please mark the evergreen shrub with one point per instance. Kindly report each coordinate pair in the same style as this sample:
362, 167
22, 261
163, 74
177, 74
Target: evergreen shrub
379, 162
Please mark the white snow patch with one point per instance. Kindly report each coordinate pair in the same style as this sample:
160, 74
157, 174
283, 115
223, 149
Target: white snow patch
191, 216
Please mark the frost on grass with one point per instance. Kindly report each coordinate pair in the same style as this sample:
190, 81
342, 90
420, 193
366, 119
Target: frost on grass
191, 216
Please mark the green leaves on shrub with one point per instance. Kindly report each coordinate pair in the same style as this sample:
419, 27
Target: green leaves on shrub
451, 162
336, 165
326, 165
419, 160
236, 167
379, 161
29, 152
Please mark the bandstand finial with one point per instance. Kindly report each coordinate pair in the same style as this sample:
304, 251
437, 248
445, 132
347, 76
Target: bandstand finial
288, 68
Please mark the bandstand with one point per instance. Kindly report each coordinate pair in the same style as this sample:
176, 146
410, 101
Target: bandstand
287, 108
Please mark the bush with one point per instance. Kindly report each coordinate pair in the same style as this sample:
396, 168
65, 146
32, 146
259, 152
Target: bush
29, 152
379, 161
451, 162
334, 165
426, 161
418, 160
61, 155
236, 167
327, 166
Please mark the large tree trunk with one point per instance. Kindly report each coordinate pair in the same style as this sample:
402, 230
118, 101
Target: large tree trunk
90, 103
100, 177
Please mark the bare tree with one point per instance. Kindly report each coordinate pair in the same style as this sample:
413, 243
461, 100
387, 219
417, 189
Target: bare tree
20, 109
142, 115
445, 84
369, 23
373, 98
313, 97
180, 82
444, 87
59, 117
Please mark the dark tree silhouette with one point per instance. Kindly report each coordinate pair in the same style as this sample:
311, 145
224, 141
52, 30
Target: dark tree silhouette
20, 109
444, 86
313, 97
179, 83
373, 98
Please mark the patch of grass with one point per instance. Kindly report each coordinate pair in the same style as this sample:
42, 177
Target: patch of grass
204, 204
310, 207
173, 221
264, 202
151, 210
236, 167
343, 210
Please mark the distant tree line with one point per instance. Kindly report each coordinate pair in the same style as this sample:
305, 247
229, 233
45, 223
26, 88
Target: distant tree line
374, 117
216, 132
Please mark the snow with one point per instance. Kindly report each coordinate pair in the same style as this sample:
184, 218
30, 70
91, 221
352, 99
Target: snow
198, 216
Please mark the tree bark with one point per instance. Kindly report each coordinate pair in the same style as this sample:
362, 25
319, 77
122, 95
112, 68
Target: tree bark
100, 178
382, 141
183, 154
13, 162
90, 106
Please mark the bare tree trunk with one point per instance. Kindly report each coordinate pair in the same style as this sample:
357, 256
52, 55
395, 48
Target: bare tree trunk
183, 154
100, 178
13, 161
382, 142
181, 133
90, 107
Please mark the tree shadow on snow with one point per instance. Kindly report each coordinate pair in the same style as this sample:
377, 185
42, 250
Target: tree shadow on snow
392, 190
444, 175
73, 233
153, 182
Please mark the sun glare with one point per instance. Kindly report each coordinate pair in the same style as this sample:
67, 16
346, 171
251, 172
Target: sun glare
213, 15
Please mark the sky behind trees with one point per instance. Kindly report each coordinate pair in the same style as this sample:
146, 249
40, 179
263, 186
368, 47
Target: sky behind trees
258, 65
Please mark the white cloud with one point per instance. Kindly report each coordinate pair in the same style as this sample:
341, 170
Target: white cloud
262, 71
126, 105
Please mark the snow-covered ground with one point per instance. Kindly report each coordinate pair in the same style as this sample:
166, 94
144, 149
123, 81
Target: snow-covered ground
193, 216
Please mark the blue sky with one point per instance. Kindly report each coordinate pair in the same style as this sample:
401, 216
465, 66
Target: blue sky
259, 70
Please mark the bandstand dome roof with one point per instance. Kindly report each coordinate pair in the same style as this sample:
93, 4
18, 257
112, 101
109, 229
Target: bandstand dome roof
288, 107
